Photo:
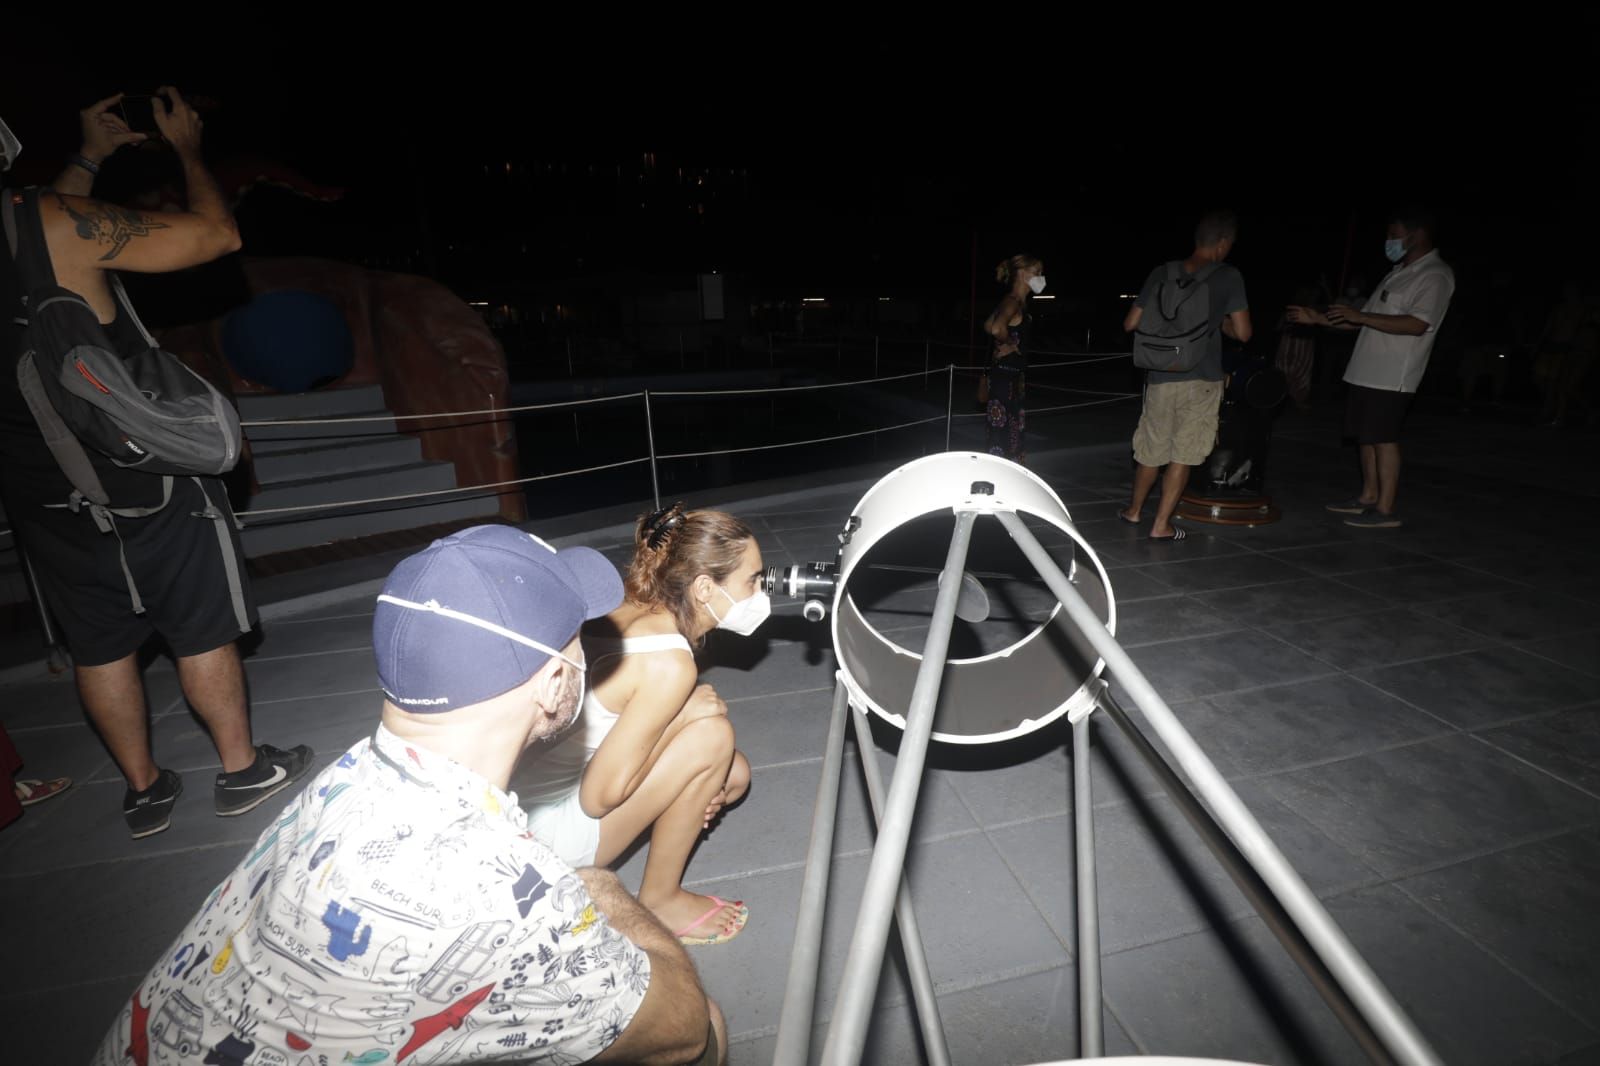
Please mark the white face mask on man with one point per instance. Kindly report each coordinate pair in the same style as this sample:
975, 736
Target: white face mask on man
745, 615
10, 147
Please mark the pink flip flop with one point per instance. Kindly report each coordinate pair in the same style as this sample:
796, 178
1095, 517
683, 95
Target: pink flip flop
741, 916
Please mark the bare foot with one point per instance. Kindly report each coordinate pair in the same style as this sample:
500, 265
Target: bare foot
689, 914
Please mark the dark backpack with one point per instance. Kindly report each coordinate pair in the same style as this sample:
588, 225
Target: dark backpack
1174, 332
147, 412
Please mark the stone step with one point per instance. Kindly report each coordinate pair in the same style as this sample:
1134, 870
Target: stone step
324, 403
276, 465
356, 485
265, 439
268, 538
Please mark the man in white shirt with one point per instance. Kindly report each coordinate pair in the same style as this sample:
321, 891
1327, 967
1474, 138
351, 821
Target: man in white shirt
399, 910
1398, 324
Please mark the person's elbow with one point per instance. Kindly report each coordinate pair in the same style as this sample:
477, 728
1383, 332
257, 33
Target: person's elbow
227, 237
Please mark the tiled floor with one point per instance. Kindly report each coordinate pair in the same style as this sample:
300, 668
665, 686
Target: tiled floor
1413, 715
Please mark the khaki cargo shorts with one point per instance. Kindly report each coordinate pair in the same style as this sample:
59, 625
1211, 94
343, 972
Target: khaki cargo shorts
1178, 423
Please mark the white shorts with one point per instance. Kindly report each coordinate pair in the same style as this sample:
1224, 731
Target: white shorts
564, 827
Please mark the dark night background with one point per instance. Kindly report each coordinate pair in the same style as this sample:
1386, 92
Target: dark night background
562, 164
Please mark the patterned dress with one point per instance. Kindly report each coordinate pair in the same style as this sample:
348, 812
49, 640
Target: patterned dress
1007, 391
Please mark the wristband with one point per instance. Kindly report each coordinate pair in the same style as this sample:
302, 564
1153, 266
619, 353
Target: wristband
81, 161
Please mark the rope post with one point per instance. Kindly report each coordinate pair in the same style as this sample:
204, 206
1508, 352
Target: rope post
650, 432
949, 409
569, 358
874, 358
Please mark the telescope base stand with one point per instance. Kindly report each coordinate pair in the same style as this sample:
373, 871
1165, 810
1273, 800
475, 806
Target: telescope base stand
1256, 509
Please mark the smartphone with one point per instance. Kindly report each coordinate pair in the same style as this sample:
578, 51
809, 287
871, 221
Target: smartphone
139, 112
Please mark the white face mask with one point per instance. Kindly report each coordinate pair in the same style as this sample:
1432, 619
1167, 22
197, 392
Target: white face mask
745, 615
1394, 249
1036, 283
10, 147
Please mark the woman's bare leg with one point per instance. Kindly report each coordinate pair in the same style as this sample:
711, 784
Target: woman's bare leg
694, 765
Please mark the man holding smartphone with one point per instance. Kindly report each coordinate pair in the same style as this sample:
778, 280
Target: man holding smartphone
1397, 325
167, 573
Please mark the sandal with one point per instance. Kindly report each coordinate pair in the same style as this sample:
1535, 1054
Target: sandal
741, 916
30, 792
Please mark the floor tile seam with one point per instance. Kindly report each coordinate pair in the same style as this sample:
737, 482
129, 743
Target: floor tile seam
1540, 655
131, 978
1244, 912
824, 1014
174, 853
25, 730
292, 656
297, 620
776, 695
1461, 858
1408, 601
315, 696
1332, 671
1591, 793
1534, 716
854, 853
1374, 686
1224, 588
1332, 760
1027, 892
1443, 919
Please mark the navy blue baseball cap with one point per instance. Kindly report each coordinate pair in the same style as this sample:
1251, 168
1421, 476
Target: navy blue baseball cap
477, 613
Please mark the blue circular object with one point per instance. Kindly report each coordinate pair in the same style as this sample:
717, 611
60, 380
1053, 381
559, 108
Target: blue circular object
289, 340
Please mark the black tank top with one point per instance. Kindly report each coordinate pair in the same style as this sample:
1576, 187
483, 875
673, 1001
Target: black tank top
29, 475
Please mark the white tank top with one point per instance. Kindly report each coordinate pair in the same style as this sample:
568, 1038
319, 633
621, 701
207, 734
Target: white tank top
551, 770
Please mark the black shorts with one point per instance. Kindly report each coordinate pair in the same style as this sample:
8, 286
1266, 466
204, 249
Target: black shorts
1374, 416
188, 570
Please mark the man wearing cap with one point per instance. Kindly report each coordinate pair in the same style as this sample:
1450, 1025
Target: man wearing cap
399, 911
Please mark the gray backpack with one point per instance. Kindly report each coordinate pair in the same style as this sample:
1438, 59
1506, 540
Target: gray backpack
148, 412
1175, 331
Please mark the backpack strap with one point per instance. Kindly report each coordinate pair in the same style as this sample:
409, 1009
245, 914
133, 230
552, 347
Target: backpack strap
62, 442
1184, 284
25, 235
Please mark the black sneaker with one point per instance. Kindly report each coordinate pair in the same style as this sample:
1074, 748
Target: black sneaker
150, 811
273, 771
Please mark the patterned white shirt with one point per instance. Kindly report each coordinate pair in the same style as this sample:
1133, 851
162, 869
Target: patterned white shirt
398, 912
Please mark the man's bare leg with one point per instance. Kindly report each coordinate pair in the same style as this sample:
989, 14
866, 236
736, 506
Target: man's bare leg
113, 696
1144, 479
1369, 475
1387, 462
1173, 483
213, 681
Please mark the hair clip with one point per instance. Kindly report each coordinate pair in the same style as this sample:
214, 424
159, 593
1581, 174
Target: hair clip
662, 522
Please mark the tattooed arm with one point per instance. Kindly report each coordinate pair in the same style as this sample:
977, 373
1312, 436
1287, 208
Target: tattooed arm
86, 234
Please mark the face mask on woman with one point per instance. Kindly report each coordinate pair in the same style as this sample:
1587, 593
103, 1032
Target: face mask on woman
745, 615
1036, 283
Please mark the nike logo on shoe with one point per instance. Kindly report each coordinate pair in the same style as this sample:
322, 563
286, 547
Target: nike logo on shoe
278, 774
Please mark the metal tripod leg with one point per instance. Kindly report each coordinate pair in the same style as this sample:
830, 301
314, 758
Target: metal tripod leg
800, 991
1091, 1042
933, 1040
853, 1008
1397, 1031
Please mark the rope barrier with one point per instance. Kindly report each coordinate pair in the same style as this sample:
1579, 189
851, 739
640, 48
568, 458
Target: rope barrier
252, 515
797, 443
441, 414
437, 492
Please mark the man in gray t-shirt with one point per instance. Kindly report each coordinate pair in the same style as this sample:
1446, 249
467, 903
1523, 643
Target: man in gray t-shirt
1178, 425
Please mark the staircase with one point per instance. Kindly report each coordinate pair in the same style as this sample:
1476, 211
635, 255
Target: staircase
300, 465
